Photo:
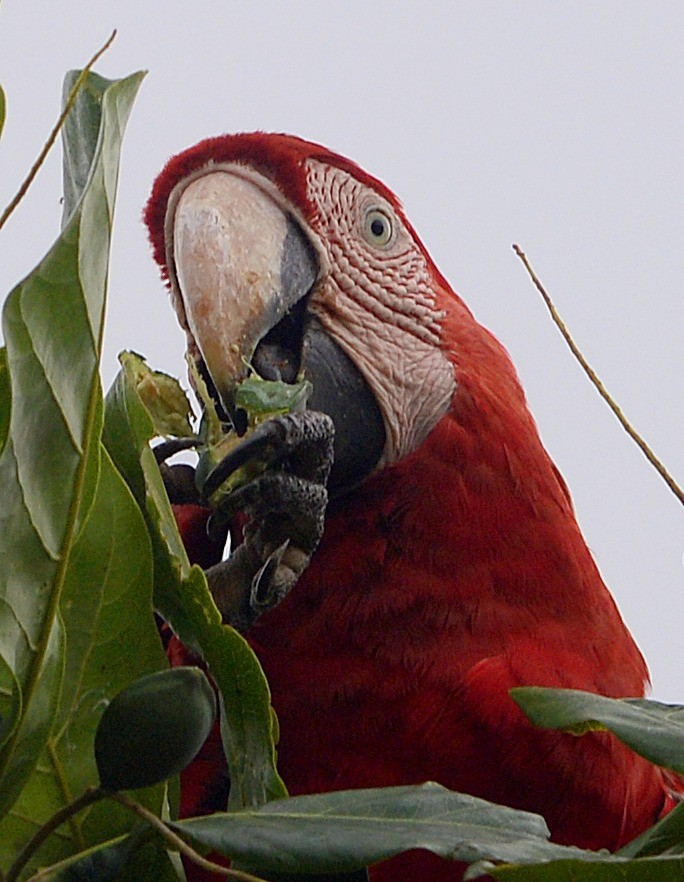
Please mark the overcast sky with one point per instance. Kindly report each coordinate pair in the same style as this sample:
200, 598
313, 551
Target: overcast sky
557, 126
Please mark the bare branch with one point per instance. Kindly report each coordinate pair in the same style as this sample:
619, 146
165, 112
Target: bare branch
595, 379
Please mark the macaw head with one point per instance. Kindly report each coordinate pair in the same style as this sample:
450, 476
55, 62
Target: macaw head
282, 255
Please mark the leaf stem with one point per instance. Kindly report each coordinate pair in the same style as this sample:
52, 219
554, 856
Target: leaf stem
176, 842
21, 192
595, 379
88, 797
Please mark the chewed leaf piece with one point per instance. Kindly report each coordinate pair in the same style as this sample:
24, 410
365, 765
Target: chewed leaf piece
165, 400
261, 400
266, 398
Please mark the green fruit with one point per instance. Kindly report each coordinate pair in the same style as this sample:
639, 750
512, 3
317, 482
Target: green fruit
153, 728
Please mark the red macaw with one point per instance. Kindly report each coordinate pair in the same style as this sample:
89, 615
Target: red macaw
449, 566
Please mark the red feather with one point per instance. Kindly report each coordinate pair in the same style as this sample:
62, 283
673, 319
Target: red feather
441, 583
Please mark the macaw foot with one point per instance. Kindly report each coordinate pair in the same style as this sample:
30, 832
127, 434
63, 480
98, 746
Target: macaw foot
286, 509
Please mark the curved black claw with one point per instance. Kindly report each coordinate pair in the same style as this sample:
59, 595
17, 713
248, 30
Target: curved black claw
167, 449
286, 506
303, 442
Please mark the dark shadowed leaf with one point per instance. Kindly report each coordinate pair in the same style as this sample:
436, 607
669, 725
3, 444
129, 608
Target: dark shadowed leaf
652, 729
354, 876
135, 858
601, 869
104, 863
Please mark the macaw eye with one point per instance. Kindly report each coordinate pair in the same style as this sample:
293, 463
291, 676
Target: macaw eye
377, 228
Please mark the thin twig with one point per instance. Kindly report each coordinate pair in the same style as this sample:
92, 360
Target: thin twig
88, 797
181, 845
595, 379
53, 134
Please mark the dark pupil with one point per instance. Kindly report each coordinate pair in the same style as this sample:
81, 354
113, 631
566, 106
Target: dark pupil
377, 227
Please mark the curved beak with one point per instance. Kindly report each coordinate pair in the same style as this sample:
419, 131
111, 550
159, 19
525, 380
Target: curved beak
241, 269
239, 263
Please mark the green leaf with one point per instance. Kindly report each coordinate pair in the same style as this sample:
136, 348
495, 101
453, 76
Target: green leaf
30, 729
666, 835
132, 858
652, 729
52, 323
10, 701
107, 606
80, 134
4, 398
163, 398
111, 640
90, 577
184, 600
602, 868
104, 862
346, 830
3, 109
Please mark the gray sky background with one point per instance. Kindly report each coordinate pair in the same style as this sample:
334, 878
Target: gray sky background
557, 126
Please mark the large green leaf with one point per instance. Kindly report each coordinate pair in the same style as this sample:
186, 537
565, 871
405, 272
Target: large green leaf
52, 323
332, 834
111, 640
346, 830
652, 729
183, 598
49, 478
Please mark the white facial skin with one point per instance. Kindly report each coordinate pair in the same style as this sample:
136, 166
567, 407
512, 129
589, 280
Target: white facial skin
378, 303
